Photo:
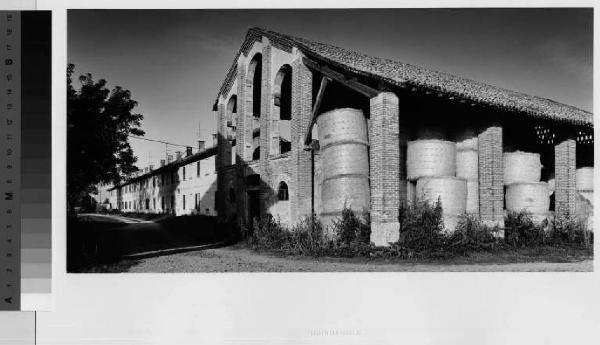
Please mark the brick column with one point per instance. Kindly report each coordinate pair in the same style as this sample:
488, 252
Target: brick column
564, 166
387, 168
221, 136
300, 195
243, 126
265, 127
219, 161
491, 177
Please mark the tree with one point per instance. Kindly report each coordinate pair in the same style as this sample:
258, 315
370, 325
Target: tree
99, 122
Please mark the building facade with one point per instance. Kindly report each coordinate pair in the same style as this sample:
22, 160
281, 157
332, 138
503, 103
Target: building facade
306, 128
185, 186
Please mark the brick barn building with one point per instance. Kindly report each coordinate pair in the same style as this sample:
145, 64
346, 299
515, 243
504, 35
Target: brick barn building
306, 127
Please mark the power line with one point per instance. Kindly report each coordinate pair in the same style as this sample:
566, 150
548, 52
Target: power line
159, 141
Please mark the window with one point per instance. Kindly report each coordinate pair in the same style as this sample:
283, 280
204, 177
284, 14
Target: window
256, 154
154, 182
183, 204
147, 204
282, 192
183, 173
198, 169
154, 203
231, 195
162, 203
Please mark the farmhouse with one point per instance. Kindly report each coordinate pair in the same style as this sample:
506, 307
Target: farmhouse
306, 128
185, 185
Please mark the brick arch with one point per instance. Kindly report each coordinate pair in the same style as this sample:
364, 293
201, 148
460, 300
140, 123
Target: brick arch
282, 111
278, 208
254, 84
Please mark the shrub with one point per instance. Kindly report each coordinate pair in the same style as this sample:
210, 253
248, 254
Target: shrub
470, 235
350, 229
307, 237
421, 226
268, 233
569, 230
520, 230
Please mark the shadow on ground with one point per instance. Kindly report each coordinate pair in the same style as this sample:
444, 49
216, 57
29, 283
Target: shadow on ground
101, 240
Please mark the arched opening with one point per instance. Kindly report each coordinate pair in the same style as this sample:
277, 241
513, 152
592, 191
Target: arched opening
255, 77
282, 192
256, 153
254, 82
230, 129
282, 112
230, 117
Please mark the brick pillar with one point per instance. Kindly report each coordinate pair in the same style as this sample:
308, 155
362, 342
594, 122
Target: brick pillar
265, 128
491, 177
564, 166
242, 123
300, 195
387, 168
219, 161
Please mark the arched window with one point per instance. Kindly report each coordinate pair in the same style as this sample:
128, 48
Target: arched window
283, 92
256, 153
230, 118
282, 192
282, 101
255, 77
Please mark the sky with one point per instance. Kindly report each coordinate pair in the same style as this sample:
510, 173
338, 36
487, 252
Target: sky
174, 61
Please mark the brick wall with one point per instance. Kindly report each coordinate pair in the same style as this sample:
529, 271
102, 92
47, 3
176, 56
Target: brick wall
301, 159
491, 176
387, 168
564, 165
241, 130
265, 128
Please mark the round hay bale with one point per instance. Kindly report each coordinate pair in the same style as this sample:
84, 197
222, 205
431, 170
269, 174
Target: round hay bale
411, 192
344, 162
522, 166
349, 158
551, 186
587, 195
585, 208
452, 193
468, 144
528, 196
353, 191
584, 178
472, 196
430, 158
339, 125
467, 164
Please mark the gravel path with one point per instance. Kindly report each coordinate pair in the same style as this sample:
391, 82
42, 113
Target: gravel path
239, 259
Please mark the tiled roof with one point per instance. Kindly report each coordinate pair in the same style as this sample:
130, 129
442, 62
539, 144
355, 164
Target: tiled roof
209, 152
411, 76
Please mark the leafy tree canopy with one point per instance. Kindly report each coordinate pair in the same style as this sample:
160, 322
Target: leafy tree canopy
99, 122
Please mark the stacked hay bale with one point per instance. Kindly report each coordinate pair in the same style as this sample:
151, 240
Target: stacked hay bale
345, 163
584, 182
431, 172
524, 191
452, 193
467, 167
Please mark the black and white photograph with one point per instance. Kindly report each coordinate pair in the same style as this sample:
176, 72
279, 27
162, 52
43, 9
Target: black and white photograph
329, 140
299, 172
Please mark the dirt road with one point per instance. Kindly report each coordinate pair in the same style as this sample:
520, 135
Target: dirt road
240, 259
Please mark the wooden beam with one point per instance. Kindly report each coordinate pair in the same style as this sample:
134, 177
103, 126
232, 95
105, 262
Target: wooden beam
342, 79
308, 135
